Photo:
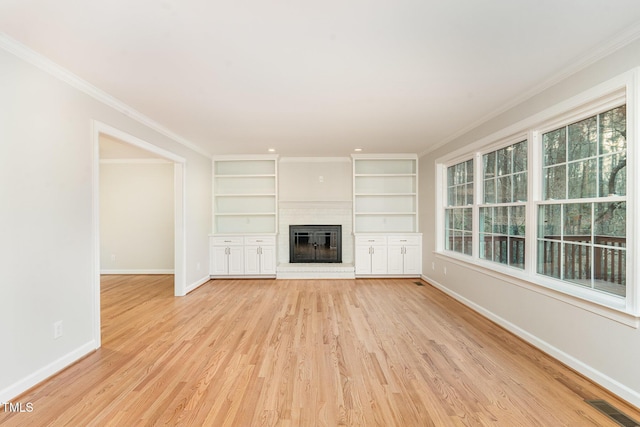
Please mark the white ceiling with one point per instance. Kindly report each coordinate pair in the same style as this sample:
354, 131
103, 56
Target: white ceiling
320, 78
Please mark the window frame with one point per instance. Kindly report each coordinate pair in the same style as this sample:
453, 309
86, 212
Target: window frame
623, 89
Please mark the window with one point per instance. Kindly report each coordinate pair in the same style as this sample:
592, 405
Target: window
503, 213
551, 203
459, 211
582, 216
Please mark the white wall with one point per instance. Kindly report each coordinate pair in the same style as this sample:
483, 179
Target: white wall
46, 241
136, 217
603, 349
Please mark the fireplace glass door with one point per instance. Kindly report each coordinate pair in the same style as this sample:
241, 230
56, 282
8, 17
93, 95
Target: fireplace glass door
315, 243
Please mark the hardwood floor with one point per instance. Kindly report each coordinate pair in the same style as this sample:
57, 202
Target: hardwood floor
375, 352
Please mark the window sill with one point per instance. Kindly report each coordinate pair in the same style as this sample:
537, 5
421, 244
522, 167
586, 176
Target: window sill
608, 306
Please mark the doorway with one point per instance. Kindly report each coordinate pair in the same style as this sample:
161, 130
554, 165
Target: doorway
101, 130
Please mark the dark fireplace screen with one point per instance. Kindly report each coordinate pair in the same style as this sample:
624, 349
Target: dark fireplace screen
315, 243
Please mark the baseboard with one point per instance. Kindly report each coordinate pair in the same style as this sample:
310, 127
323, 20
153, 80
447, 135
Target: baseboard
197, 284
614, 386
42, 374
155, 271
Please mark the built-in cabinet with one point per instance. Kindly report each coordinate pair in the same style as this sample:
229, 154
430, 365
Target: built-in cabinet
260, 255
227, 256
371, 255
245, 216
385, 193
243, 255
245, 195
404, 255
388, 255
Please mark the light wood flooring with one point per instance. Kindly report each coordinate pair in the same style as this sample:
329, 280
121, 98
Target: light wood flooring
374, 352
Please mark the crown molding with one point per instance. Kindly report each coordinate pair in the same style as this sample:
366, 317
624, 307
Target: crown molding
600, 51
45, 64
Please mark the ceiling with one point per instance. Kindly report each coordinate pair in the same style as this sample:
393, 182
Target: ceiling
325, 77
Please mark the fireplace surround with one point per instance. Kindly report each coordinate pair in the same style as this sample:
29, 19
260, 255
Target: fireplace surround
315, 243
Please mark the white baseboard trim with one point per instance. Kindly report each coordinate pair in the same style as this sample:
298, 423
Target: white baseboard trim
155, 271
197, 284
42, 374
614, 386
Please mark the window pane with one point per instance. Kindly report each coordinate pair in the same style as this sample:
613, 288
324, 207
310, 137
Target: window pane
520, 157
490, 191
467, 219
451, 174
613, 130
457, 241
501, 220
583, 179
577, 222
554, 186
517, 221
449, 218
613, 175
457, 219
550, 222
516, 251
461, 195
469, 169
504, 161
486, 251
503, 189
610, 270
583, 139
549, 257
554, 144
520, 187
451, 196
486, 220
467, 243
469, 194
489, 161
610, 221
577, 264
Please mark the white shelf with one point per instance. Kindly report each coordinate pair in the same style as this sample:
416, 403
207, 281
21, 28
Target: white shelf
245, 195
385, 194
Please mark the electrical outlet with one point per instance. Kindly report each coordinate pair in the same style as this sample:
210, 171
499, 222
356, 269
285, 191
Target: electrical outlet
113, 257
198, 266
433, 265
57, 329
445, 271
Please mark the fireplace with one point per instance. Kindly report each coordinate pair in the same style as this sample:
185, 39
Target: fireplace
315, 243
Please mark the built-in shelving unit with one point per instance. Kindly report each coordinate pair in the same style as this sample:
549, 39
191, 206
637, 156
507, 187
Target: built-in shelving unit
245, 195
385, 192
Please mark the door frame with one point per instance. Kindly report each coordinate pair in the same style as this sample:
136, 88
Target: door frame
179, 284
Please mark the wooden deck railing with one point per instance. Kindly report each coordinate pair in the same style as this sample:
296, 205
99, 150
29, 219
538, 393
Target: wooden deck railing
609, 260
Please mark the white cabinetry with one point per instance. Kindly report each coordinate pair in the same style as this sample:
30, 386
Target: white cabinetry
260, 255
404, 255
239, 256
385, 193
227, 256
371, 255
389, 255
245, 195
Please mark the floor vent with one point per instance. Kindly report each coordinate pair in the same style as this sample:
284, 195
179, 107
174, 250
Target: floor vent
419, 283
613, 413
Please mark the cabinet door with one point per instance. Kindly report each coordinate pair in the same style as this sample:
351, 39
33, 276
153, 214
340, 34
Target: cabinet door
395, 260
251, 260
378, 259
268, 260
363, 259
236, 260
219, 265
412, 260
